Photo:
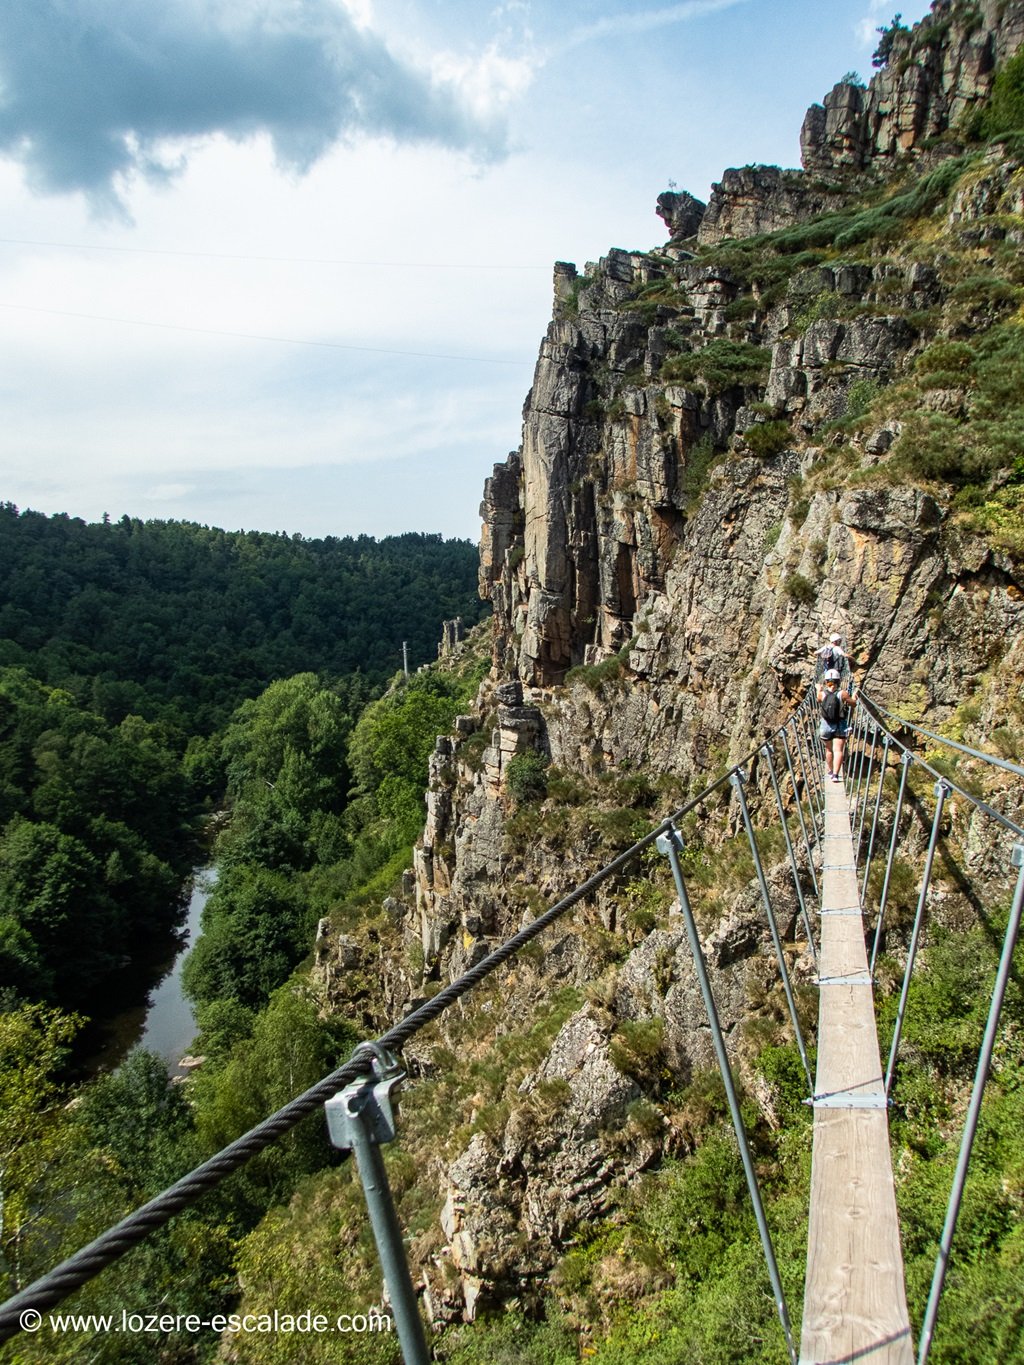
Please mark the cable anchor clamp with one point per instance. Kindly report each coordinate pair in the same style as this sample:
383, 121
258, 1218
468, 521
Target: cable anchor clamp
365, 1109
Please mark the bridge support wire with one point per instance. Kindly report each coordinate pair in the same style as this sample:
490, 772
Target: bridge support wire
670, 843
865, 796
800, 811
942, 790
874, 817
766, 754
738, 780
974, 1109
810, 769
907, 760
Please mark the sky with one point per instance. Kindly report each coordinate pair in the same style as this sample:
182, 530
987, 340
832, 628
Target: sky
285, 265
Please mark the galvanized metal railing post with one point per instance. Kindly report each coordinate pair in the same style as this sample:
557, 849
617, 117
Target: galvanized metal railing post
359, 1119
800, 812
942, 790
974, 1109
907, 760
766, 754
856, 766
671, 844
737, 781
810, 771
874, 818
862, 797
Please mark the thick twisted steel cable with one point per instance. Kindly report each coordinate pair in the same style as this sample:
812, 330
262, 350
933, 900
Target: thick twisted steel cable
952, 743
873, 710
109, 1246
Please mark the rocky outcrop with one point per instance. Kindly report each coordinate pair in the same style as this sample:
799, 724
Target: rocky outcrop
681, 213
757, 199
581, 1129
935, 74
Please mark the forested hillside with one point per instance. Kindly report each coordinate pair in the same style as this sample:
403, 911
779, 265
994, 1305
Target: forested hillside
124, 650
148, 672
181, 622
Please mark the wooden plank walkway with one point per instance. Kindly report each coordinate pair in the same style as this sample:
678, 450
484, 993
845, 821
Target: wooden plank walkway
855, 1306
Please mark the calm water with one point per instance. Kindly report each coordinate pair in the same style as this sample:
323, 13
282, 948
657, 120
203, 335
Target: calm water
169, 1024
163, 1021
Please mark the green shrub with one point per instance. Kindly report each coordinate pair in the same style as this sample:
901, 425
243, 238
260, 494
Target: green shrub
768, 438
526, 777
595, 676
860, 396
720, 365
636, 1048
693, 477
1005, 110
800, 588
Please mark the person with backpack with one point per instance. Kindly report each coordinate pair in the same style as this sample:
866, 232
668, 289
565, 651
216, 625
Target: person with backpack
829, 656
835, 698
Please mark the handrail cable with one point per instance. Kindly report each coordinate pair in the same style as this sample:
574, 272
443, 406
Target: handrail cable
944, 785
109, 1246
953, 744
872, 708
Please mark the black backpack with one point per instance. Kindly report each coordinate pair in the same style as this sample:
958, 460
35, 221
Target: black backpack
832, 708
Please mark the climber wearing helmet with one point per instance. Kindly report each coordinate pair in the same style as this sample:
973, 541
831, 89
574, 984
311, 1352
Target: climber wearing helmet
835, 698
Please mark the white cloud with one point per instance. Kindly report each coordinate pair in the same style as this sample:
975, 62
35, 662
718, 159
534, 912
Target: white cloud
97, 94
165, 492
646, 20
487, 82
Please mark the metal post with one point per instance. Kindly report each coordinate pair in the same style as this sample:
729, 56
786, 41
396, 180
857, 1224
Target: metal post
814, 801
360, 1118
854, 768
863, 797
856, 776
800, 811
766, 754
908, 759
737, 781
671, 844
974, 1110
942, 790
874, 818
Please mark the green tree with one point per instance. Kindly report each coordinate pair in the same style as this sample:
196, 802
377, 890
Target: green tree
52, 890
256, 926
392, 741
34, 1129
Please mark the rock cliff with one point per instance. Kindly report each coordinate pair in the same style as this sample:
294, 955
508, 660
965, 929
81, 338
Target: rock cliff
729, 448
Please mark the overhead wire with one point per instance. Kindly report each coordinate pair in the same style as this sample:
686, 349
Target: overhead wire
258, 336
270, 259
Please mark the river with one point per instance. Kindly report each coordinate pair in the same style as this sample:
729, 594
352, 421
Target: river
164, 1022
170, 1024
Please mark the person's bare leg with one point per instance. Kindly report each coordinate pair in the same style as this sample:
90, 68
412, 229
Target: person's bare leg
839, 743
828, 756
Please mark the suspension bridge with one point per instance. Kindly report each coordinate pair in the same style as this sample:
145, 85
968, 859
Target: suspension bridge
855, 1306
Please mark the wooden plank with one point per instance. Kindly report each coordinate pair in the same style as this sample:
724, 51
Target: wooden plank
855, 1302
